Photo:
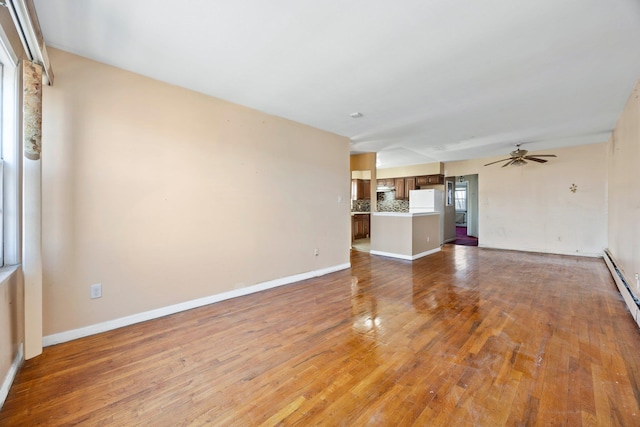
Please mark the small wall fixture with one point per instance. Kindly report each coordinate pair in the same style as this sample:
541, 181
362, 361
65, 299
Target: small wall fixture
356, 115
573, 188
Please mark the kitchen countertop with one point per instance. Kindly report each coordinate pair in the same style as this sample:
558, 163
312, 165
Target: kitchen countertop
405, 214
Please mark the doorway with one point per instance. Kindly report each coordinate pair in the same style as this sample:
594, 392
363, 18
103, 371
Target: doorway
466, 206
361, 210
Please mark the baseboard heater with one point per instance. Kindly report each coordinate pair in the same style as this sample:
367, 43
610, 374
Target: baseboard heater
633, 303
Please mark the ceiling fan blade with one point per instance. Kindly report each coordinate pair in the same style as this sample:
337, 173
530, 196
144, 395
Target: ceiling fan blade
536, 160
508, 163
498, 161
544, 155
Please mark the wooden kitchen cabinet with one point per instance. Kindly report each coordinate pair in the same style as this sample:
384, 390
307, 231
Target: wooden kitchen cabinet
406, 184
360, 189
400, 190
366, 189
409, 184
435, 179
429, 180
402, 186
360, 224
366, 224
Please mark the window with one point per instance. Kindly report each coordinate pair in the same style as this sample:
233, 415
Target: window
9, 155
461, 196
2, 127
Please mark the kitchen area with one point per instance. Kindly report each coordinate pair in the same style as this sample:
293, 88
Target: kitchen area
360, 205
397, 214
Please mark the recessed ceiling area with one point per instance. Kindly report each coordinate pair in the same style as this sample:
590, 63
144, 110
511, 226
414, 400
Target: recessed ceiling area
434, 80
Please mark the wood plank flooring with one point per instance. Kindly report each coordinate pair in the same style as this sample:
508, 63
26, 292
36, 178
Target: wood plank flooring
464, 337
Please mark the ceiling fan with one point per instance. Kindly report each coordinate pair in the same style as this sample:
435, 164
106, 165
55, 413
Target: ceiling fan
519, 158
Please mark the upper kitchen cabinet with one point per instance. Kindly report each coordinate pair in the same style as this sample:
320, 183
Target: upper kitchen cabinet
429, 180
400, 190
409, 184
360, 189
366, 189
389, 182
403, 186
435, 179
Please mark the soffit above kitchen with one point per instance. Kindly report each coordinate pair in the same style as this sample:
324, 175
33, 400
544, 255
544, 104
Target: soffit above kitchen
433, 80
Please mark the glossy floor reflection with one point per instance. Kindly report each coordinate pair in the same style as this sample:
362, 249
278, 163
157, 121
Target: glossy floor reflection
467, 336
361, 245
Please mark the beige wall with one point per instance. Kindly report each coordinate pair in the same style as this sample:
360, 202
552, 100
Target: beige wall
405, 235
426, 233
624, 197
164, 195
361, 174
413, 170
365, 165
393, 234
364, 161
11, 321
531, 208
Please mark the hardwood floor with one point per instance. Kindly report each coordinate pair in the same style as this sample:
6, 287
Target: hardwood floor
467, 336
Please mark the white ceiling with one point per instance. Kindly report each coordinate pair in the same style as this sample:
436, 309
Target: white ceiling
436, 80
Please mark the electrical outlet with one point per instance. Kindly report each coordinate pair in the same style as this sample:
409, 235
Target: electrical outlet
638, 280
428, 239
96, 291
316, 251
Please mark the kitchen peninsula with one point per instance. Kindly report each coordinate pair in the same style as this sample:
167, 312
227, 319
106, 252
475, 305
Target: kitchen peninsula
405, 235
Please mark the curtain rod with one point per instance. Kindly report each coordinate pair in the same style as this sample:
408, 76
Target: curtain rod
26, 22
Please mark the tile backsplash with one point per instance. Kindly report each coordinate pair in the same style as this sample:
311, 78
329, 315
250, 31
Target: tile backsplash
360, 206
386, 203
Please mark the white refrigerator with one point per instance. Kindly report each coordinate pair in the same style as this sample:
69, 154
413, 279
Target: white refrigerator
431, 200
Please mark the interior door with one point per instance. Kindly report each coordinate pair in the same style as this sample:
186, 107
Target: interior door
449, 233
472, 205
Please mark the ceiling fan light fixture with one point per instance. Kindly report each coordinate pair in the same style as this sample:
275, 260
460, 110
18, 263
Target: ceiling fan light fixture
520, 156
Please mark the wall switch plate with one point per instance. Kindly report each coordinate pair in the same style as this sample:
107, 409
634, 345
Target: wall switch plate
316, 251
96, 291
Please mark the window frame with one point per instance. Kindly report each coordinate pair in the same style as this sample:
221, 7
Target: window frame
10, 155
461, 188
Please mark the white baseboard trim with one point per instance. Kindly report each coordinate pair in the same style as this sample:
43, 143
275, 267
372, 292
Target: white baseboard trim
11, 374
187, 305
539, 251
622, 282
406, 257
